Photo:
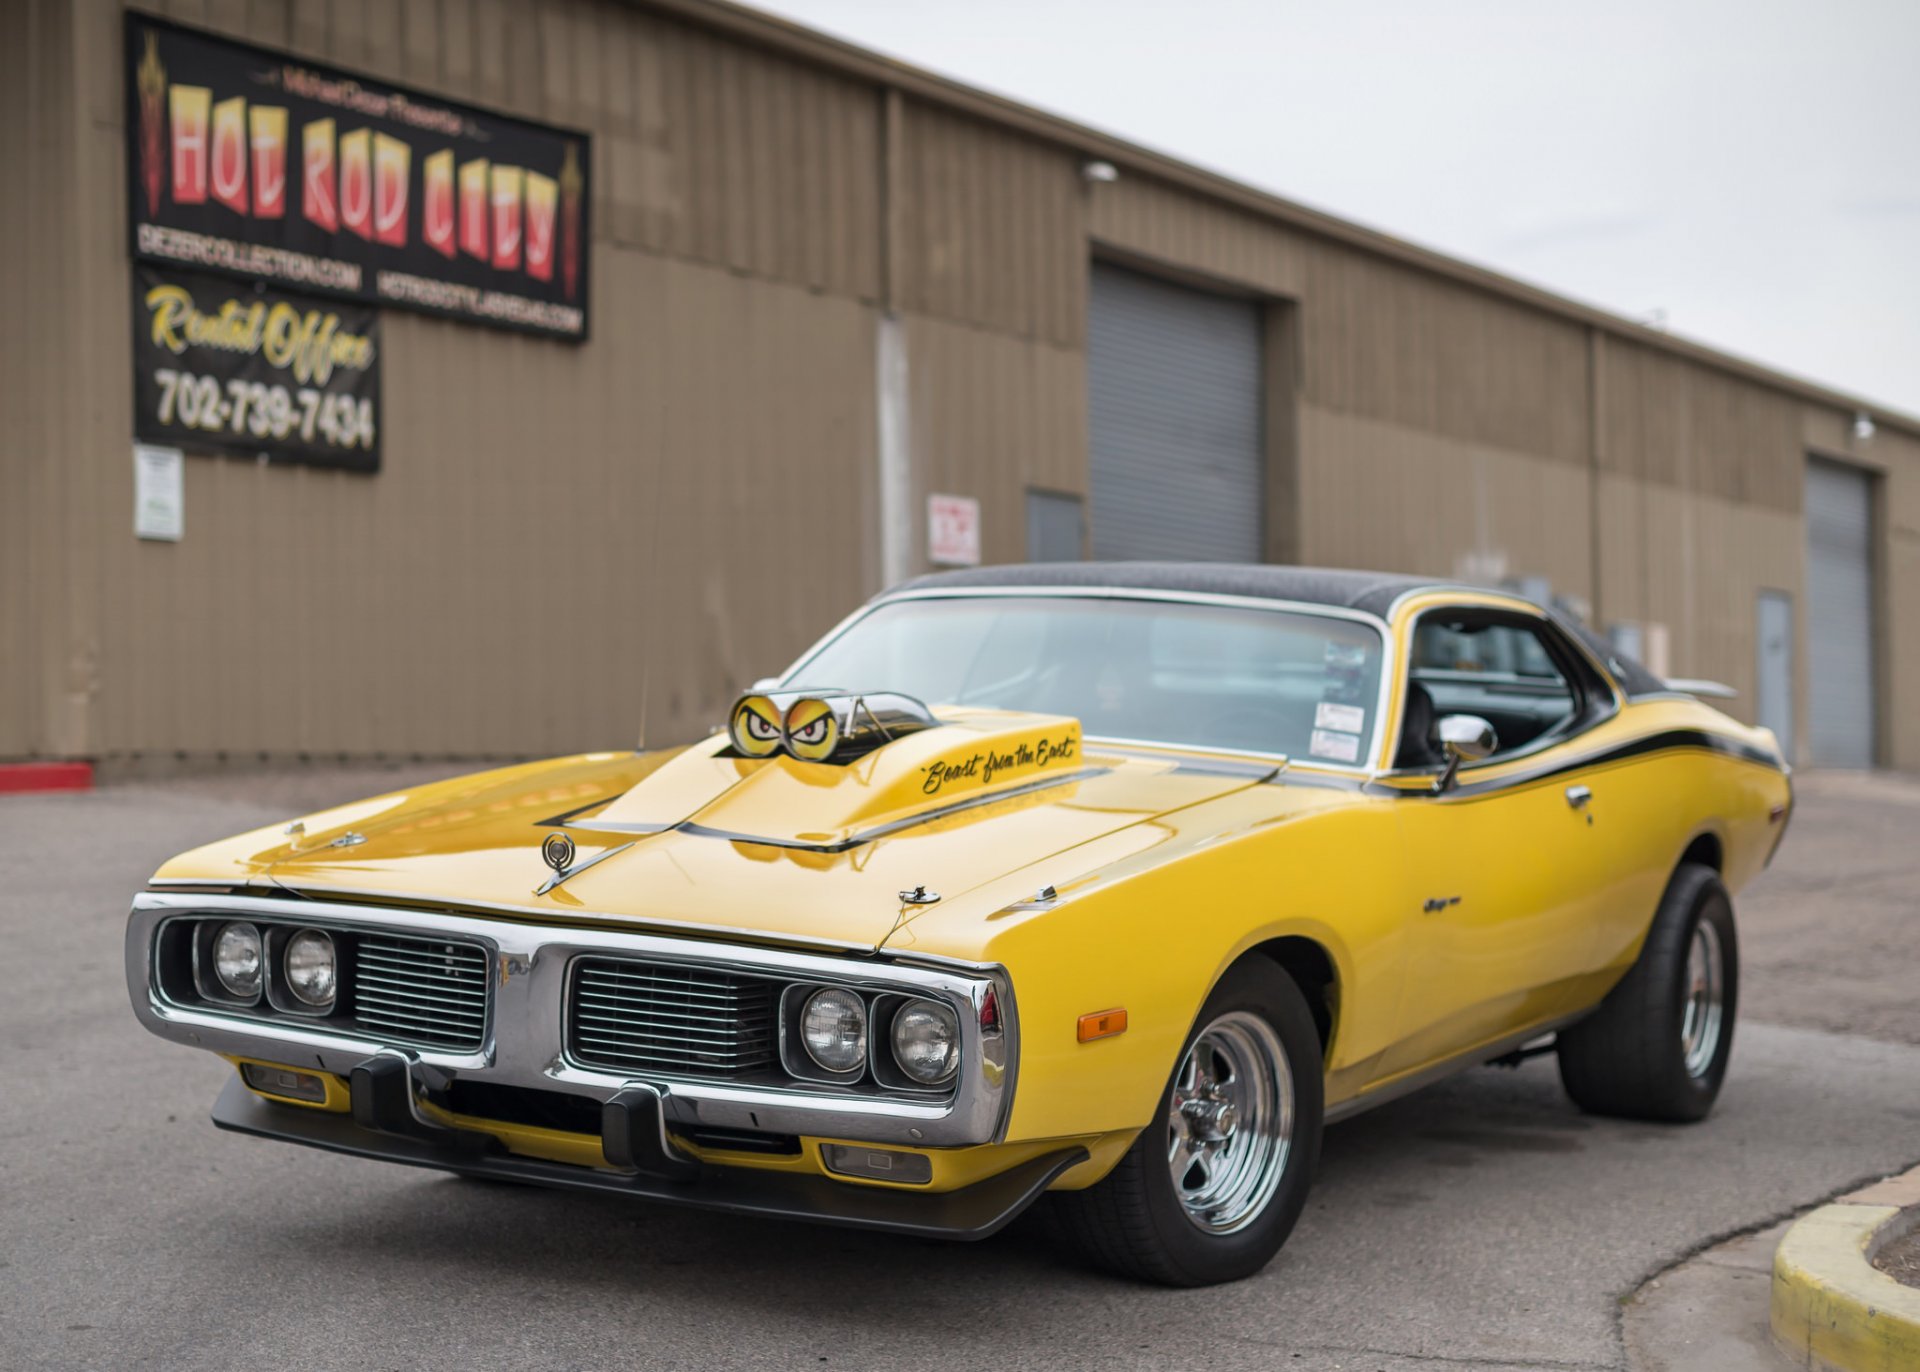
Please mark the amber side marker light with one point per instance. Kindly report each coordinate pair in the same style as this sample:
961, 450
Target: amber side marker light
1102, 1024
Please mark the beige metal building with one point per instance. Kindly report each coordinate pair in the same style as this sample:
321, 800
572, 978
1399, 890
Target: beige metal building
824, 287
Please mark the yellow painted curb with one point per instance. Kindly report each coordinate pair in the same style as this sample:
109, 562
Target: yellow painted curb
1832, 1309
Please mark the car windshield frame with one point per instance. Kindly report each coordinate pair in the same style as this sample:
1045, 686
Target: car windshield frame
1368, 765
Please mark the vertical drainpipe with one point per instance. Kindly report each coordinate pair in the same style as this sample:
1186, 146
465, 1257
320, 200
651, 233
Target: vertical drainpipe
1596, 444
1881, 747
894, 429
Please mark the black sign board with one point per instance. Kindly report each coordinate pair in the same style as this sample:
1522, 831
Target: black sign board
268, 166
255, 369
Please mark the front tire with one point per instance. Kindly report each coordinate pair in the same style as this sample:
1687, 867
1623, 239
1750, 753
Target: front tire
1212, 1187
1658, 1046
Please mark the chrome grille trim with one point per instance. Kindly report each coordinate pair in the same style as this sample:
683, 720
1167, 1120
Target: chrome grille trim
626, 1015
426, 992
526, 1016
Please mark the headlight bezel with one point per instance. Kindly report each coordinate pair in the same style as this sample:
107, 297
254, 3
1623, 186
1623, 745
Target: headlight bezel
180, 977
805, 1063
207, 978
880, 1071
298, 1002
950, 1021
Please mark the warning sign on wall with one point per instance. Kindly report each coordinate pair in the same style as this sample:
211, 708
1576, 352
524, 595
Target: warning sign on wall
953, 530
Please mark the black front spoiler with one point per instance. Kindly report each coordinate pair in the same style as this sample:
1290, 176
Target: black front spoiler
972, 1212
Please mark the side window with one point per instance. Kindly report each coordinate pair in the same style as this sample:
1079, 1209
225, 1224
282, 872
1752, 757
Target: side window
1493, 666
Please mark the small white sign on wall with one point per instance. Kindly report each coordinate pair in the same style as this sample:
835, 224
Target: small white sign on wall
159, 493
953, 530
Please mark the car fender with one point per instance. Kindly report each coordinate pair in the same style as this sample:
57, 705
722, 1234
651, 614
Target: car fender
1154, 940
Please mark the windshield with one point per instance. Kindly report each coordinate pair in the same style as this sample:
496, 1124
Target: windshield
1205, 676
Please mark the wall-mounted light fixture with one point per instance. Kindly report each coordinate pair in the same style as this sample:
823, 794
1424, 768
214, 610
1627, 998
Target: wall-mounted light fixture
1863, 425
1097, 170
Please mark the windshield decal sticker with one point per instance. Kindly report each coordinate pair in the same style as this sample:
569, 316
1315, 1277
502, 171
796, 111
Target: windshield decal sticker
1340, 747
1348, 719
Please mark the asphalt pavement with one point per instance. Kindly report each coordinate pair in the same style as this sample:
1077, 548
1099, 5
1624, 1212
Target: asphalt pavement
1484, 1223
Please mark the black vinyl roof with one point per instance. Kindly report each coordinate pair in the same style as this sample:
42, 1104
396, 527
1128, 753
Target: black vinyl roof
1369, 591
1372, 592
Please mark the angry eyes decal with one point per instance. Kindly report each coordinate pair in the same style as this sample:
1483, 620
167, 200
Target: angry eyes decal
809, 729
755, 727
812, 729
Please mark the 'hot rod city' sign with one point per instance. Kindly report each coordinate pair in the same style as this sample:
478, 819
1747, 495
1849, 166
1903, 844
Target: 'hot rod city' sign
259, 164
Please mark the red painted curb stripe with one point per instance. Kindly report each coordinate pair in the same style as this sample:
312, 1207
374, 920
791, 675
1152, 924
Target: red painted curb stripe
18, 777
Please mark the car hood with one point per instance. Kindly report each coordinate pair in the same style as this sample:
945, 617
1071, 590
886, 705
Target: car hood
703, 841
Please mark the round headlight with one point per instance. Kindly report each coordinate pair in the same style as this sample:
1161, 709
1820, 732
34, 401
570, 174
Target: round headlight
237, 961
926, 1041
833, 1025
310, 967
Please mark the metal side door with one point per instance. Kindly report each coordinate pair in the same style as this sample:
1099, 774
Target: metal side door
1500, 876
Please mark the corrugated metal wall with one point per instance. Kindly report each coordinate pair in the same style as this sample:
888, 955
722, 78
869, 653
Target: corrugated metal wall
1700, 476
1386, 342
696, 487
1378, 494
46, 549
551, 519
29, 60
990, 271
1675, 423
993, 229
1897, 608
504, 587
1144, 217
992, 415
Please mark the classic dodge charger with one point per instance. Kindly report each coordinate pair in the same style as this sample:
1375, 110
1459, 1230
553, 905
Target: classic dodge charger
1113, 883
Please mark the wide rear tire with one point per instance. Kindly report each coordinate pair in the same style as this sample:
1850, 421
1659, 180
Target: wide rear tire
1212, 1187
1658, 1046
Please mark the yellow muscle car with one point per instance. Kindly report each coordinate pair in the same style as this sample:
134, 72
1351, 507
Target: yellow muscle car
1114, 882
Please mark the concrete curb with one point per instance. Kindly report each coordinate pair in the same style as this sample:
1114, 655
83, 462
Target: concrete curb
1832, 1309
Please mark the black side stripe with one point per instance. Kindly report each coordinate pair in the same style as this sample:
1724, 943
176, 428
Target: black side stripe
1699, 739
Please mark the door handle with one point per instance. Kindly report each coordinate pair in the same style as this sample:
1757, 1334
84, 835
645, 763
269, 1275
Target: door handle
1578, 796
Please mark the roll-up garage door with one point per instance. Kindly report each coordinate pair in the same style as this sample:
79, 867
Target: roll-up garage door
1839, 615
1173, 383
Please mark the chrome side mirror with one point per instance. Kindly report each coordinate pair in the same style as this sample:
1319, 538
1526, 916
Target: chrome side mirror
1464, 738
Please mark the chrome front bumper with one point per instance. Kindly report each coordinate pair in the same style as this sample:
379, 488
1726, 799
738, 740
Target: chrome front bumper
523, 1044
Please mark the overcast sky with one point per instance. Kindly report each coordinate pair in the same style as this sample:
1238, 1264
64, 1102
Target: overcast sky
1750, 168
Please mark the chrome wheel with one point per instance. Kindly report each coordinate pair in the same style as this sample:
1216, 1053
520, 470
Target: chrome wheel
1230, 1123
1705, 1004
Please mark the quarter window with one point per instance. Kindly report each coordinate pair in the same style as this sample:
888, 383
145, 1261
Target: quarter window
1499, 668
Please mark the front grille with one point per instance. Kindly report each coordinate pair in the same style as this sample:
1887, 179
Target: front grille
423, 991
664, 1017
